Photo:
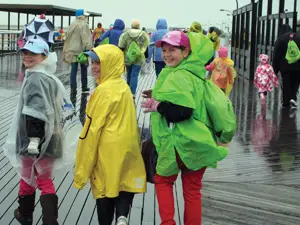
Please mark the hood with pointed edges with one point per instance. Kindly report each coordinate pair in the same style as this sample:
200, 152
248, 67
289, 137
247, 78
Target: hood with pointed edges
111, 61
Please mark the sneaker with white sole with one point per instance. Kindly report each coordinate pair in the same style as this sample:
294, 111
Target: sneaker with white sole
293, 103
122, 220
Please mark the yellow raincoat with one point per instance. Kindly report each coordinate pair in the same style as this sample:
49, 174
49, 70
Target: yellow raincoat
215, 39
109, 147
223, 74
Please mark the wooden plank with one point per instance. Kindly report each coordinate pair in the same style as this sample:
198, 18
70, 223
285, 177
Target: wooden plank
148, 211
94, 218
9, 202
4, 181
88, 210
78, 205
180, 199
135, 216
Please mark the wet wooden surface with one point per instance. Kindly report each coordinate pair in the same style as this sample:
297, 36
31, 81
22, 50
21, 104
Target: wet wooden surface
258, 183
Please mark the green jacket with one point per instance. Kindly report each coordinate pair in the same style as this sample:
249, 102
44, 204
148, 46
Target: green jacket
193, 141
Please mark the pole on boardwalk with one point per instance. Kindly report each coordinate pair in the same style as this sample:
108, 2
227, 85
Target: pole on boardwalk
295, 16
8, 24
18, 21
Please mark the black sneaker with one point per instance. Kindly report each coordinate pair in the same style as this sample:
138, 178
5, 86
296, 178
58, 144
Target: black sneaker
85, 90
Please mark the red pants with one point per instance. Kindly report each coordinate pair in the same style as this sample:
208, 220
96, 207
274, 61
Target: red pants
44, 181
192, 184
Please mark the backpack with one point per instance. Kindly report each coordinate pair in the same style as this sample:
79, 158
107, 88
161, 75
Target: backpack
221, 116
82, 58
133, 52
293, 52
104, 41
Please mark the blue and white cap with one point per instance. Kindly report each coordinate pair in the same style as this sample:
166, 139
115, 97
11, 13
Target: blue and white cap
37, 46
81, 12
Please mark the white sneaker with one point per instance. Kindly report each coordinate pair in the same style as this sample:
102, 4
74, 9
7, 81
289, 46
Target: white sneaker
293, 103
122, 220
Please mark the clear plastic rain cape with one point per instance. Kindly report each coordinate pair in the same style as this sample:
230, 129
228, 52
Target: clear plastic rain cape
44, 97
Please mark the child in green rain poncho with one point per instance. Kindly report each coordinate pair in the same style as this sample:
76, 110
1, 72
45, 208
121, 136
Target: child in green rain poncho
183, 143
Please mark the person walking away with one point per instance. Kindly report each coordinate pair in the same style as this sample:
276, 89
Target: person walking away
161, 30
201, 45
109, 145
133, 65
35, 143
113, 34
223, 72
78, 39
98, 31
265, 78
62, 34
213, 35
182, 141
289, 72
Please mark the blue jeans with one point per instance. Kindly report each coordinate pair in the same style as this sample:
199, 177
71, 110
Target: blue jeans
73, 76
132, 76
159, 65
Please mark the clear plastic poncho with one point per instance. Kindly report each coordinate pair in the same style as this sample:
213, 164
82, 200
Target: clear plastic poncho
44, 97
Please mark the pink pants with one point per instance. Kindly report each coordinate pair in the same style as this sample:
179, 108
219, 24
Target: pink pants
44, 181
191, 185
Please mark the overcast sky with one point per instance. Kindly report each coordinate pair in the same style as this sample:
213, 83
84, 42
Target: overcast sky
177, 12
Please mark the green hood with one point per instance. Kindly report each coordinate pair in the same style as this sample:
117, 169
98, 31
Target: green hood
201, 46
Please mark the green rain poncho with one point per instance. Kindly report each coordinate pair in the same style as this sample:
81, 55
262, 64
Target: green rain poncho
193, 141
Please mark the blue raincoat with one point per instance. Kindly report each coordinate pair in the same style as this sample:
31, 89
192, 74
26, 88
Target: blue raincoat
161, 30
115, 33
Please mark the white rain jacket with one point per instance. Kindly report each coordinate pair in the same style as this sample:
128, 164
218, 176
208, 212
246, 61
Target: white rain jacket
44, 97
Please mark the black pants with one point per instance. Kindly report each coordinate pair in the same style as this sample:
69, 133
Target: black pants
159, 65
106, 207
290, 86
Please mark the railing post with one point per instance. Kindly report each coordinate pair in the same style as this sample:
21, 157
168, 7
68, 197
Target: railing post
295, 16
53, 19
93, 22
253, 41
281, 10
18, 21
8, 24
2, 44
258, 33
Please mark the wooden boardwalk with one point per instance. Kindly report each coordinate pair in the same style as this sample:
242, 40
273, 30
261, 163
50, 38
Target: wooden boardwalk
251, 186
